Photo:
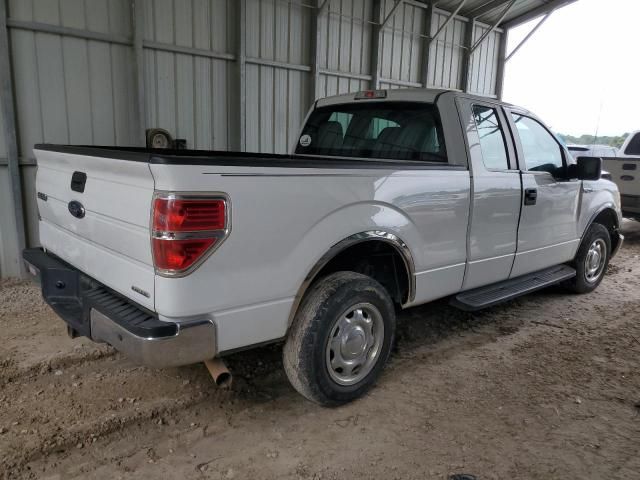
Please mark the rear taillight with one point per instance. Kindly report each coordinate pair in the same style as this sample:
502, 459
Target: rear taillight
185, 229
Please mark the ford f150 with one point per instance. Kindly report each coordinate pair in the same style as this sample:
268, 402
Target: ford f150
389, 199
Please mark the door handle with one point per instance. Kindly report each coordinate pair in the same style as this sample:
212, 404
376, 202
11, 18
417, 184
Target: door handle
530, 196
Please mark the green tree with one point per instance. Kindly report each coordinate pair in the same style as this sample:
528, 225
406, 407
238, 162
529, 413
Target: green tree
586, 139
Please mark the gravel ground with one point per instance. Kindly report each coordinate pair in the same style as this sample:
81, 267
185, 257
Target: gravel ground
544, 387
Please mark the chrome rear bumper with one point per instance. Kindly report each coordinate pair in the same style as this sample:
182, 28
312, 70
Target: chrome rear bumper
192, 343
92, 310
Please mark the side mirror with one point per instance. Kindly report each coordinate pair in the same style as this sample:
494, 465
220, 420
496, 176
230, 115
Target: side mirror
588, 168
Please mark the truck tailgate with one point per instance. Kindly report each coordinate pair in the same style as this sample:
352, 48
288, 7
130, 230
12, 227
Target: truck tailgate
108, 237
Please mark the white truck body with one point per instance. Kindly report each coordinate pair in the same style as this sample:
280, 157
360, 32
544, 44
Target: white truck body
457, 225
624, 169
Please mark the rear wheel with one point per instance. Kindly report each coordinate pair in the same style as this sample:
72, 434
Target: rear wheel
592, 259
341, 338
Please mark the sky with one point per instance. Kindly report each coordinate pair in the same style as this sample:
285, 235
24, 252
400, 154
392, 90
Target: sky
580, 72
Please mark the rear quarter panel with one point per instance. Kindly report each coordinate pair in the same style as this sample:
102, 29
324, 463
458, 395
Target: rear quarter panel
284, 220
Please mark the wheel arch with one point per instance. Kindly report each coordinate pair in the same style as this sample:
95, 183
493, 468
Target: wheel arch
607, 217
369, 238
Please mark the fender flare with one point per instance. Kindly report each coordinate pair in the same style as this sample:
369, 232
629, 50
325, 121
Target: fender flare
616, 242
607, 206
361, 237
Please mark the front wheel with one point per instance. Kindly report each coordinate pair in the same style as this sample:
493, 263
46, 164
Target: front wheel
592, 259
341, 338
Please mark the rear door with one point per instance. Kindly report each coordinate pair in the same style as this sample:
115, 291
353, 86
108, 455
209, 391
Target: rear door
496, 188
548, 230
95, 214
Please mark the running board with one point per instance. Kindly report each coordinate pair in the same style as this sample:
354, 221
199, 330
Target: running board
495, 293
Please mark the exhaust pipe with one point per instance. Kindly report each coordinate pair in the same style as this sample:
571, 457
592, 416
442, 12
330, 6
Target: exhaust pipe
219, 372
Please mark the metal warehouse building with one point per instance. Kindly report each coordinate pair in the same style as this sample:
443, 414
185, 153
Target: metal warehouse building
221, 74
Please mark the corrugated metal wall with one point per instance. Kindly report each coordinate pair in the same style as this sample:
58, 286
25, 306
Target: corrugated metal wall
446, 55
278, 56
188, 93
75, 70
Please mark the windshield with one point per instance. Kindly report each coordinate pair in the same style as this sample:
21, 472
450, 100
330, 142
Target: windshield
390, 130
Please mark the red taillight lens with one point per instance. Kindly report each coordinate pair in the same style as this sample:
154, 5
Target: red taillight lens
188, 215
184, 229
179, 254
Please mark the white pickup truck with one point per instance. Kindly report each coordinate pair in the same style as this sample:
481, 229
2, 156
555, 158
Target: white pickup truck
624, 170
390, 199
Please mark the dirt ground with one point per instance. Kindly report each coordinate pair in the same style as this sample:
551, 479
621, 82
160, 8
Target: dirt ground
545, 387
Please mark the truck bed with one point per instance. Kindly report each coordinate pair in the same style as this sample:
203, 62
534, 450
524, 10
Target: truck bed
241, 159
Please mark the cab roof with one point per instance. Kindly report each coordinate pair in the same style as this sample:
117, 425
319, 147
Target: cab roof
427, 95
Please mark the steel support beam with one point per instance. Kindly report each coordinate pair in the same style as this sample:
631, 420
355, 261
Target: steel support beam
528, 36
376, 40
391, 13
448, 20
466, 55
502, 51
315, 52
486, 8
354, 76
69, 32
537, 12
137, 12
493, 27
401, 83
11, 141
196, 52
426, 45
241, 64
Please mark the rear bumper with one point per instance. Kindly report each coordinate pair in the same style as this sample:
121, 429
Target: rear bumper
92, 310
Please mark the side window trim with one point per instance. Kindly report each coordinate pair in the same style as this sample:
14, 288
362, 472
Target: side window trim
511, 160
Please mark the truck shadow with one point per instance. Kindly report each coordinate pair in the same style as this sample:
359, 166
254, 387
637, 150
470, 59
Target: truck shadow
259, 374
631, 231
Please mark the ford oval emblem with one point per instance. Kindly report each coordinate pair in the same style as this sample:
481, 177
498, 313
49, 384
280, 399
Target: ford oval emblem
76, 209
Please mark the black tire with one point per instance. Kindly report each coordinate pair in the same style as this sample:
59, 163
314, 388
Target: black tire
582, 283
306, 355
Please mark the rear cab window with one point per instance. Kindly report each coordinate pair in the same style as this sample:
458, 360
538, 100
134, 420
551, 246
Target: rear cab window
382, 130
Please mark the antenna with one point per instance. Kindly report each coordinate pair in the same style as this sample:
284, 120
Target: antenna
595, 138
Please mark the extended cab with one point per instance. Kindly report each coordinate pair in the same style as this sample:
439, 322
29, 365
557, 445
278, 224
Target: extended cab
390, 199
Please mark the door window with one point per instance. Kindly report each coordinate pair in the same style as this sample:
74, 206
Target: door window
492, 144
541, 151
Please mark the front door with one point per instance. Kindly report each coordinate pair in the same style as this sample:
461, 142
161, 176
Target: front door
548, 230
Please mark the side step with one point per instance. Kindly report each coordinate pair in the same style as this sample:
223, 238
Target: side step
495, 293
